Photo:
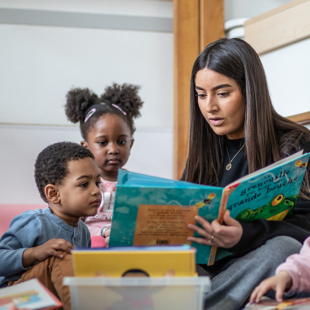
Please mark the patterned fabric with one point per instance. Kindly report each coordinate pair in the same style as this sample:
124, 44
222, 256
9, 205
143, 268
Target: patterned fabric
104, 214
298, 266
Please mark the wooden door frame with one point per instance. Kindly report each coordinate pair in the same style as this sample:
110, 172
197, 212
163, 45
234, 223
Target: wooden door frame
196, 23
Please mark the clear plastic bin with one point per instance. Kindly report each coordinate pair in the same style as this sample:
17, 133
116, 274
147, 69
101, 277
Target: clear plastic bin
138, 293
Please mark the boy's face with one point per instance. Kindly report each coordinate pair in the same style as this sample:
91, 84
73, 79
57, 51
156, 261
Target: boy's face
79, 194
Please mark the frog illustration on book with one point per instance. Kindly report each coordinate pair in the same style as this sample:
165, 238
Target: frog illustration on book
276, 210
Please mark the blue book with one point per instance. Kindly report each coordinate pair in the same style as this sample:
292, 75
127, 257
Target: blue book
154, 211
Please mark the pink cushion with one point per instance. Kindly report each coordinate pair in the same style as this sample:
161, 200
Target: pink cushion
8, 212
98, 242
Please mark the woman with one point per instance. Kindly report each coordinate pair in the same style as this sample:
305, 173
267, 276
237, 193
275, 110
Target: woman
234, 130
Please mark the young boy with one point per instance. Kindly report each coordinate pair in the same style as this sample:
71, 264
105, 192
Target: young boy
38, 243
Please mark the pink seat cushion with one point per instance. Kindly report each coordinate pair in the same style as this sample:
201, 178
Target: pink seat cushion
8, 212
98, 242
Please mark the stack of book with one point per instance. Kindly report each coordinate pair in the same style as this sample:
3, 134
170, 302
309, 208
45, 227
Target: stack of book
28, 295
160, 277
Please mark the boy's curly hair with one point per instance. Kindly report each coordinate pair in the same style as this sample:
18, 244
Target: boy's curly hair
51, 166
80, 102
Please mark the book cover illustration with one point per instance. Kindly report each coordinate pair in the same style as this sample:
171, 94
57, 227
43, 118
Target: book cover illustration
271, 195
160, 215
154, 211
30, 295
176, 261
291, 304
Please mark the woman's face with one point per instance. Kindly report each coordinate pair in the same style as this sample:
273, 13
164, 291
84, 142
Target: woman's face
221, 103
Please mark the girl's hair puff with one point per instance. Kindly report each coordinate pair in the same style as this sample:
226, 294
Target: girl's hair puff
121, 100
78, 102
126, 98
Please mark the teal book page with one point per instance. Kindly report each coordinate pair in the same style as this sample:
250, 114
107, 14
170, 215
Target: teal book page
141, 180
160, 215
271, 195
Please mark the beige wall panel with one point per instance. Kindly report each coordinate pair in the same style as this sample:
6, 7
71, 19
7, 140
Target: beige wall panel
279, 27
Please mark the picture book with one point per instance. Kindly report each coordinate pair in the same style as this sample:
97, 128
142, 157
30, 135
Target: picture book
176, 261
291, 304
154, 211
29, 295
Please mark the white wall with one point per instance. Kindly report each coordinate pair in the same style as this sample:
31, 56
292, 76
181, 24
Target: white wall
287, 70
151, 153
39, 64
250, 8
158, 8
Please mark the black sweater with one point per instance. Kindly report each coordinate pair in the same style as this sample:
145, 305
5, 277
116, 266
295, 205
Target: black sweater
259, 231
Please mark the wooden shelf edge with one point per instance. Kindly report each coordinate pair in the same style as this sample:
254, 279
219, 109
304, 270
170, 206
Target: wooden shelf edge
275, 11
280, 27
302, 118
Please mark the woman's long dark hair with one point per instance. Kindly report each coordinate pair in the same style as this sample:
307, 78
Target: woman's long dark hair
269, 137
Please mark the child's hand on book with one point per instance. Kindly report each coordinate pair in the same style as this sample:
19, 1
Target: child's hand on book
215, 234
53, 247
279, 283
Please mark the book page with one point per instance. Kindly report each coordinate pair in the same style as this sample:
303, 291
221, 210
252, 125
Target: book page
164, 224
30, 295
260, 171
271, 195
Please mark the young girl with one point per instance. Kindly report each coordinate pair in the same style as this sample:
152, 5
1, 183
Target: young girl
234, 130
291, 277
107, 127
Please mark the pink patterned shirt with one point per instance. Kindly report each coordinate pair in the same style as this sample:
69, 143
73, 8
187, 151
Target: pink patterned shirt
104, 214
298, 266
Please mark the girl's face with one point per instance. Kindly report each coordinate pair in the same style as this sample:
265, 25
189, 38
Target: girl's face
221, 103
110, 142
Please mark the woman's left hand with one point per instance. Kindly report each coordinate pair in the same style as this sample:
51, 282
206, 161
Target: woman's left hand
224, 236
107, 235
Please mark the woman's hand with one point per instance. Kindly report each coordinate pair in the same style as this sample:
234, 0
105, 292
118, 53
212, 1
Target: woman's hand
279, 283
107, 235
224, 236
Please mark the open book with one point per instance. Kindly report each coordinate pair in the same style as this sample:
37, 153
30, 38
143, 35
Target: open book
154, 211
28, 295
292, 304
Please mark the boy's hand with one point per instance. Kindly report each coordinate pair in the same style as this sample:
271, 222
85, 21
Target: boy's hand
279, 283
107, 235
53, 247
